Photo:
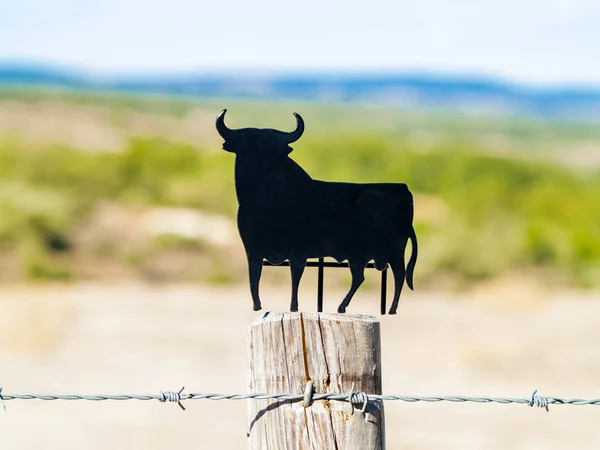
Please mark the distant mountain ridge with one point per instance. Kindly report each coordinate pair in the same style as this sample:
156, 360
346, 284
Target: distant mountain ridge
400, 89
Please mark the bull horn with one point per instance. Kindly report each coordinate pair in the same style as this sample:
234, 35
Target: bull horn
295, 135
221, 127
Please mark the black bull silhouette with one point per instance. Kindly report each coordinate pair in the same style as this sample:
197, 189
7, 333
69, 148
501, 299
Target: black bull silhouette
286, 215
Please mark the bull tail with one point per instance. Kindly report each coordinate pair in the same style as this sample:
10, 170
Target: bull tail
410, 268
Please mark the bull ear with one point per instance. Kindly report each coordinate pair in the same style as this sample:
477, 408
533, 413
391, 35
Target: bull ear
221, 127
295, 135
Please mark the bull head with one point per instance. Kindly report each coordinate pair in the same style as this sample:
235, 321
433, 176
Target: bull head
245, 140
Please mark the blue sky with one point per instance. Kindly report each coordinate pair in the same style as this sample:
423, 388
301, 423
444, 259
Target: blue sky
533, 41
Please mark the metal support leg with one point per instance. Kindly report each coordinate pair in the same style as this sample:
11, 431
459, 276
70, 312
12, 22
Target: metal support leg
320, 285
383, 290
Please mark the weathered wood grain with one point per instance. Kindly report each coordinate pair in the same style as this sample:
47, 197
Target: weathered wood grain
335, 351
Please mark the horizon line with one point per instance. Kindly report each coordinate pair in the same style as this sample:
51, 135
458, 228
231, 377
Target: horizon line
97, 74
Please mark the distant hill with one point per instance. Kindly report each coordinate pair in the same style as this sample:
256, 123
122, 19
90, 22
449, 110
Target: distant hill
397, 90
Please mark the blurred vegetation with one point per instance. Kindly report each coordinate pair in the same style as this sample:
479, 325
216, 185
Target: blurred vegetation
478, 214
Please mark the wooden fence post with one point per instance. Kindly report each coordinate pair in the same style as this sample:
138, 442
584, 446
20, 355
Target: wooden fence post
336, 352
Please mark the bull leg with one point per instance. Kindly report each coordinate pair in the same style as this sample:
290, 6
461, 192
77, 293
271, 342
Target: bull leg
296, 269
358, 276
255, 266
399, 271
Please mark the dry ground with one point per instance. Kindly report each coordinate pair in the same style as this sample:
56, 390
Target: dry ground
501, 341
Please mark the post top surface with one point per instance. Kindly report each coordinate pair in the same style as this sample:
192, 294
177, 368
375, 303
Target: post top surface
271, 316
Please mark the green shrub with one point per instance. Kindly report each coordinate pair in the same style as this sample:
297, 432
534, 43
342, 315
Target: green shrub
500, 213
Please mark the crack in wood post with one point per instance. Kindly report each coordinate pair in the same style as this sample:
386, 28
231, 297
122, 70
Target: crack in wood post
304, 352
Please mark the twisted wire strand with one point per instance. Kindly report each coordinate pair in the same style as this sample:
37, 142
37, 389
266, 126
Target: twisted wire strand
359, 399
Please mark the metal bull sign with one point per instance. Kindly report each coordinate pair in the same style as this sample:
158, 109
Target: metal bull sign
285, 215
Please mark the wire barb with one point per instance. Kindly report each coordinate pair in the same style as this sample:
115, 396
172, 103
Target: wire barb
356, 398
170, 396
2, 400
539, 401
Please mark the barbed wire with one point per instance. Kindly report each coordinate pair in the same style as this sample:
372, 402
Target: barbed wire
353, 398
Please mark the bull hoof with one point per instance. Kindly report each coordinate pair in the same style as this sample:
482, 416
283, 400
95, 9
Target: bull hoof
341, 310
293, 309
392, 311
257, 307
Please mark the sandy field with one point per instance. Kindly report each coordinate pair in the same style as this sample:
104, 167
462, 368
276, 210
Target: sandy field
90, 338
